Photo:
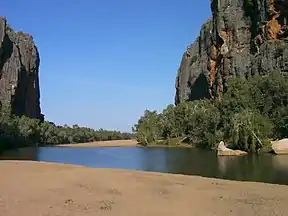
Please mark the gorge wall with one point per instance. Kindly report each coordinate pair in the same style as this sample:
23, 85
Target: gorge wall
242, 38
19, 65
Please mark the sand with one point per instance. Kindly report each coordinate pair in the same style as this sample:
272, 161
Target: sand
112, 143
45, 189
118, 143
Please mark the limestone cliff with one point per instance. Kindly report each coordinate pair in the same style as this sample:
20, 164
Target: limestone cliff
242, 38
19, 64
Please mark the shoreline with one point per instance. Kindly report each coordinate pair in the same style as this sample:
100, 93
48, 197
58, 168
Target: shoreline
63, 189
95, 144
117, 143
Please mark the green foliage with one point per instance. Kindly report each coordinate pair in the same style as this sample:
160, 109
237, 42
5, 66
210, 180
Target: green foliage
266, 95
148, 128
203, 121
250, 131
253, 111
171, 142
16, 132
205, 25
191, 120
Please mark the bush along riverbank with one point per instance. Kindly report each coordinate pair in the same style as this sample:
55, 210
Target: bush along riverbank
252, 112
17, 132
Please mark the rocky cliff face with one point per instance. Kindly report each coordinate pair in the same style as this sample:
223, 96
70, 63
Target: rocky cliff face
242, 38
19, 64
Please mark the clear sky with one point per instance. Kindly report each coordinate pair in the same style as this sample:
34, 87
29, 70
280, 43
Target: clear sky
104, 62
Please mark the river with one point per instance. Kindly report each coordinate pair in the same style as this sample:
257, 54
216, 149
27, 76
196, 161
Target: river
267, 168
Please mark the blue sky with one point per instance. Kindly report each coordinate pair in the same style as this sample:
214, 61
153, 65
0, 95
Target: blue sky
104, 62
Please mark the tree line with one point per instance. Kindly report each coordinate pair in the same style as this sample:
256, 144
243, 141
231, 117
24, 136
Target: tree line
253, 112
16, 132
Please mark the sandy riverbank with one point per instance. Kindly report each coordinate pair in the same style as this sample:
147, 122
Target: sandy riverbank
116, 143
42, 189
112, 143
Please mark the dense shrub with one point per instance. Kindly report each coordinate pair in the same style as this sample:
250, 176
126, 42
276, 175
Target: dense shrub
22, 131
253, 111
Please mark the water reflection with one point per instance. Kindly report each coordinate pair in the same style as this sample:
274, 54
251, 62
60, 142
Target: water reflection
264, 168
30, 153
157, 160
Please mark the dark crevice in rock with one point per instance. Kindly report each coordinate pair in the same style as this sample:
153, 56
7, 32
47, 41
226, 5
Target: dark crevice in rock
6, 50
18, 101
199, 89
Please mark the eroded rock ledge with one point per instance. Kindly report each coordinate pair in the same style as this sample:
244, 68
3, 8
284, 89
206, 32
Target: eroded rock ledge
19, 67
242, 38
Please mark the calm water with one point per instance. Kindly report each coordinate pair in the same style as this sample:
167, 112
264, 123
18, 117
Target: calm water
264, 168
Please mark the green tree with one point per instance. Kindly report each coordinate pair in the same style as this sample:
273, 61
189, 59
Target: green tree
250, 131
29, 129
148, 128
17, 132
203, 127
253, 111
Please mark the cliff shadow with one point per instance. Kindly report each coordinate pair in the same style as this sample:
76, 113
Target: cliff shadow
199, 89
6, 51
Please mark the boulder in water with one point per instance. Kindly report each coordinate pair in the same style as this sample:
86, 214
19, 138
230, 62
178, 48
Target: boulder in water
222, 150
280, 146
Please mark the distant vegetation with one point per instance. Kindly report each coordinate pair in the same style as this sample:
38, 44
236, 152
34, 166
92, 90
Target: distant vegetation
253, 111
16, 132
